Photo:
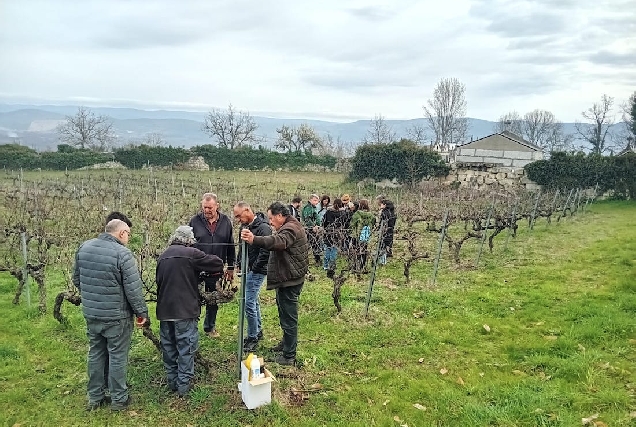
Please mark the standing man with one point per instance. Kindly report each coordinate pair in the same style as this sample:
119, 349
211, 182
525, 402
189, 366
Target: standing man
286, 271
108, 280
256, 269
213, 232
294, 208
178, 308
310, 221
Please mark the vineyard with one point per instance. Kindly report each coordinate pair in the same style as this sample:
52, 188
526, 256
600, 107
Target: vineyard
439, 231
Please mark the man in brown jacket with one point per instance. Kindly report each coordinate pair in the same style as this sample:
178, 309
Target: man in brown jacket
288, 263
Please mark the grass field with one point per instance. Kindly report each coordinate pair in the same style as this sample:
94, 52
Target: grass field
542, 334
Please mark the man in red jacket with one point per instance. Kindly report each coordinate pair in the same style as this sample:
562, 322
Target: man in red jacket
178, 308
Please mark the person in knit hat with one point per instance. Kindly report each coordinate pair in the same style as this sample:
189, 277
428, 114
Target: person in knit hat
178, 307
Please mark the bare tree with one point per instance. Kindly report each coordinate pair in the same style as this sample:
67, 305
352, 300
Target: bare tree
629, 119
154, 139
558, 140
417, 133
601, 119
446, 113
379, 132
86, 130
511, 122
298, 139
538, 126
231, 129
335, 147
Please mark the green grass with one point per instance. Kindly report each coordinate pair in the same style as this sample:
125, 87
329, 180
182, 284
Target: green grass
560, 303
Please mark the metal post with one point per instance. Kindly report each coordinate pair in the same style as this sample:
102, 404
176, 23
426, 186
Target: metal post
567, 202
25, 270
534, 211
442, 235
483, 237
241, 319
375, 266
512, 225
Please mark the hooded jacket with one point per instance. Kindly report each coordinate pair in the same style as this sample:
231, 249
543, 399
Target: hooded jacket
257, 256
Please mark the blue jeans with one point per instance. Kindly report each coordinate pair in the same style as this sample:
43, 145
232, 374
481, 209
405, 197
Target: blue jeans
108, 344
253, 283
179, 343
331, 253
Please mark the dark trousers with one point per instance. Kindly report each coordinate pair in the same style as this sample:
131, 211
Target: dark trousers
209, 321
179, 343
287, 303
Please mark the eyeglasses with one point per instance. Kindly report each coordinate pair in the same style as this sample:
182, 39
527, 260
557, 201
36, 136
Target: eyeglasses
127, 231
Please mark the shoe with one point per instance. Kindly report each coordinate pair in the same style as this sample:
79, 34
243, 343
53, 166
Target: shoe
260, 335
185, 392
213, 333
121, 406
250, 344
93, 406
284, 361
330, 274
278, 347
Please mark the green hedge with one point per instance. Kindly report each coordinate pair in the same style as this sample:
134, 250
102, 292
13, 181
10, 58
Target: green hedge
137, 157
257, 158
403, 160
562, 170
15, 156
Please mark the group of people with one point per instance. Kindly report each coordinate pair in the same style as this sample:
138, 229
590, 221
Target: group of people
278, 245
345, 226
109, 283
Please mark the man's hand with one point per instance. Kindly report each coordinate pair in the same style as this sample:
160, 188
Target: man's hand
142, 322
247, 235
229, 275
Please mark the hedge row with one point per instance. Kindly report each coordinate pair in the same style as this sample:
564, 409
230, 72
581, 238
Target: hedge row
562, 170
403, 160
16, 156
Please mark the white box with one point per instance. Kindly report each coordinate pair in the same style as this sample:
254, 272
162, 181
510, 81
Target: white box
256, 392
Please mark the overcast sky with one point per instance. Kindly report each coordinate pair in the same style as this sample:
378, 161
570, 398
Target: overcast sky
319, 59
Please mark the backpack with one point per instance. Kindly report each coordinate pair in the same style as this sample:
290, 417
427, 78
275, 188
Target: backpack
365, 234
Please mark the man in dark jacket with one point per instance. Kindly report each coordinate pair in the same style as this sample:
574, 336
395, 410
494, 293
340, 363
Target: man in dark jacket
108, 280
213, 232
178, 308
255, 271
288, 263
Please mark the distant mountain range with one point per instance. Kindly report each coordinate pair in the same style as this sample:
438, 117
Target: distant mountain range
34, 125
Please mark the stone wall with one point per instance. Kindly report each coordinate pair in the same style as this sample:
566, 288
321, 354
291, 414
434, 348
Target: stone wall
482, 176
506, 158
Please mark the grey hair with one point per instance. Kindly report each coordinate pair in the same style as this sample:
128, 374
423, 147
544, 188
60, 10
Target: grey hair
314, 196
243, 205
181, 236
209, 196
114, 225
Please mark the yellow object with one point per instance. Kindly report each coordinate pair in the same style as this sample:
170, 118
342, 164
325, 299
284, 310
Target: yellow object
248, 363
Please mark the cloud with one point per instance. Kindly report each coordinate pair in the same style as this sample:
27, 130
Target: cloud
329, 58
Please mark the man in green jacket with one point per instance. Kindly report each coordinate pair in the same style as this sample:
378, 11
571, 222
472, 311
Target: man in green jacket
112, 292
286, 269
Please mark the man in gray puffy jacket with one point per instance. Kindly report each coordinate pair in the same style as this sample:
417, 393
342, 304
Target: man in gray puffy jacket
108, 280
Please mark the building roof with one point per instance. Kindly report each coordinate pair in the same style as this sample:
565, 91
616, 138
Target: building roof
508, 135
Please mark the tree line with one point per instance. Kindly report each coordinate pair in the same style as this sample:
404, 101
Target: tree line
446, 127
